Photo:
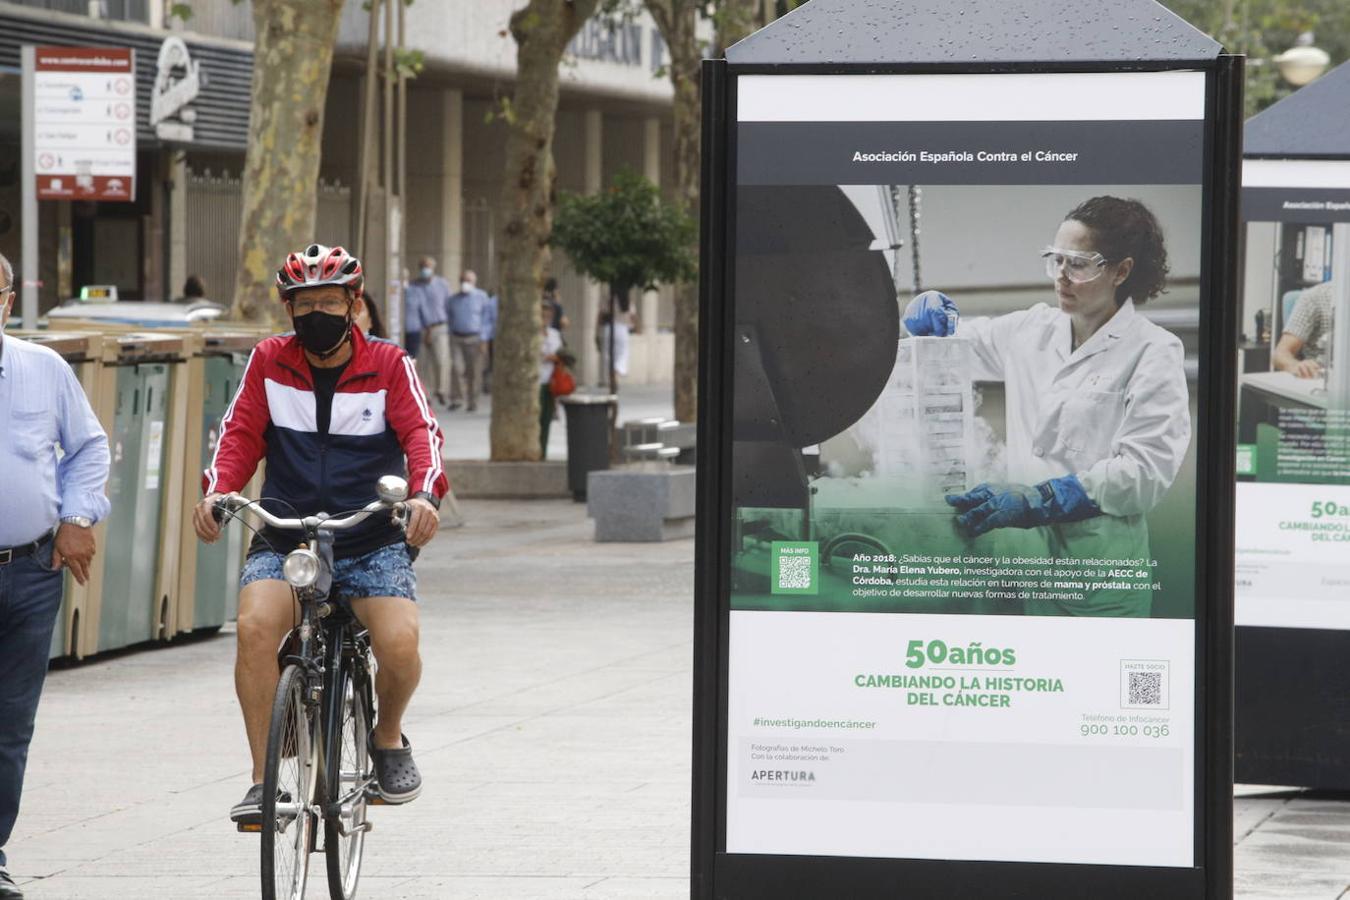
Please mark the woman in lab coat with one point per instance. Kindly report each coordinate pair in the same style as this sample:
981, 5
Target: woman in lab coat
1098, 416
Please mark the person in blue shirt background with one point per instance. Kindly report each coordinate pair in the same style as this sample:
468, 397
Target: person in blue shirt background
488, 335
465, 308
48, 507
425, 302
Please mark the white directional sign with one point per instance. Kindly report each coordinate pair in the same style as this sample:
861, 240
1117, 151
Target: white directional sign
84, 130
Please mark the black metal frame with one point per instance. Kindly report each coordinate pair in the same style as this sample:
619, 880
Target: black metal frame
717, 874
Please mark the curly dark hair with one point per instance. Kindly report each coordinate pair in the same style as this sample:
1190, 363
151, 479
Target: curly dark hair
1127, 228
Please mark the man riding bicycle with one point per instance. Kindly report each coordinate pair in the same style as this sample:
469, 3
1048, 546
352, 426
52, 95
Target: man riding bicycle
331, 411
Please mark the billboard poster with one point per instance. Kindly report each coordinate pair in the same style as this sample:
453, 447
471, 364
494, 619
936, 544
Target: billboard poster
965, 374
84, 128
1293, 492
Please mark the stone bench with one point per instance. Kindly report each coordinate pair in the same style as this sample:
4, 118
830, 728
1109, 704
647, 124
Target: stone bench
650, 452
651, 501
658, 438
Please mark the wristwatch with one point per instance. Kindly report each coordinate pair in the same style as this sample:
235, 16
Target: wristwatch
430, 498
78, 521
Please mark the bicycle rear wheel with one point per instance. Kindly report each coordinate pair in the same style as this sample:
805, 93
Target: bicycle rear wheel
288, 791
348, 772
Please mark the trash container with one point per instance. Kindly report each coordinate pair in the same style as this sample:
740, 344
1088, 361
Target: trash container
132, 610
82, 351
590, 420
210, 587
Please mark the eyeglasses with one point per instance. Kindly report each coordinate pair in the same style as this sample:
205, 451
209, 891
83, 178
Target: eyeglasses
1079, 267
331, 305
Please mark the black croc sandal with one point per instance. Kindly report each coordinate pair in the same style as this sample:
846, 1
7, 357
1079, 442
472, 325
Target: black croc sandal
397, 775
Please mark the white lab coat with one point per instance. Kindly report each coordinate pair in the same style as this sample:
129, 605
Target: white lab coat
1115, 412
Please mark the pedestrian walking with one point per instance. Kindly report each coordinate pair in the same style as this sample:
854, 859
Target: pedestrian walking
465, 308
194, 290
426, 304
557, 315
550, 343
612, 341
47, 512
489, 336
369, 319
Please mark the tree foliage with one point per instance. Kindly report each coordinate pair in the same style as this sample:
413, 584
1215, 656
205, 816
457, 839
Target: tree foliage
626, 236
1263, 29
678, 21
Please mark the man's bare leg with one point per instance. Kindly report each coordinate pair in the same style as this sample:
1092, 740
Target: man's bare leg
393, 626
267, 611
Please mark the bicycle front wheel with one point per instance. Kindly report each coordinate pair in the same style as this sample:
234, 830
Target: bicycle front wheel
288, 792
348, 771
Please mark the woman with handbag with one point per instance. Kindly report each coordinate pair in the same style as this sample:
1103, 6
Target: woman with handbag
554, 379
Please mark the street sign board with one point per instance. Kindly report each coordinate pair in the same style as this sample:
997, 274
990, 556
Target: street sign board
84, 130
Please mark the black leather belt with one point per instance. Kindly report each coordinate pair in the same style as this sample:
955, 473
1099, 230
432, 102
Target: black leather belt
466, 333
9, 554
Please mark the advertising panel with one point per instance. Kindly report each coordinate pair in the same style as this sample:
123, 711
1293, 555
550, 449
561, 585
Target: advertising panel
1293, 493
963, 513
84, 134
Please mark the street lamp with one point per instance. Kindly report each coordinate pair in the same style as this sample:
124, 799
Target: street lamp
1302, 63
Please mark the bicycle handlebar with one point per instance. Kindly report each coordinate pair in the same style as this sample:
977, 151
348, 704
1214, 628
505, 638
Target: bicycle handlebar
235, 503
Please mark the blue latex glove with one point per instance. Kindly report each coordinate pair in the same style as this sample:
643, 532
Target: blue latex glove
931, 313
991, 506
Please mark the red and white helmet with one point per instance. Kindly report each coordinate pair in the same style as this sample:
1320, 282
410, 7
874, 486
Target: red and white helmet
319, 265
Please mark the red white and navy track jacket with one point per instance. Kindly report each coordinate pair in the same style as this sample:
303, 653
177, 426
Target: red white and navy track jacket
380, 416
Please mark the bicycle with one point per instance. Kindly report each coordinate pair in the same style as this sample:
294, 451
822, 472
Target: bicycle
318, 770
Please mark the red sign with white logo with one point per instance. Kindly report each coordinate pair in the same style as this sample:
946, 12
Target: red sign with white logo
84, 104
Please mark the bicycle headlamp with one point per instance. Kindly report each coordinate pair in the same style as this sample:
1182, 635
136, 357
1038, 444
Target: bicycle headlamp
301, 568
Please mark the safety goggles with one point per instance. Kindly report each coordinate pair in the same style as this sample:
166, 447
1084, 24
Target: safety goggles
1078, 266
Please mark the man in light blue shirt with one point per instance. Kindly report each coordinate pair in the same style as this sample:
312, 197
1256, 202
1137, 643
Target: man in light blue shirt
488, 335
426, 300
465, 311
48, 507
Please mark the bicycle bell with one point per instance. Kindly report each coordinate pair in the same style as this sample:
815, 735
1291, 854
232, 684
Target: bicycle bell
392, 489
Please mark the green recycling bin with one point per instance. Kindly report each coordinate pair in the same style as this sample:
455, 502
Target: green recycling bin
130, 611
216, 594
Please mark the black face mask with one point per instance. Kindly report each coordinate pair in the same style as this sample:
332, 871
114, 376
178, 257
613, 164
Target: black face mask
321, 333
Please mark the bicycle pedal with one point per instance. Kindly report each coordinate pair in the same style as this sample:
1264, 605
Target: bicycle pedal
249, 827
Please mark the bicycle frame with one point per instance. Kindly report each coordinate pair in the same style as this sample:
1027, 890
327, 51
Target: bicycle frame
331, 646
326, 650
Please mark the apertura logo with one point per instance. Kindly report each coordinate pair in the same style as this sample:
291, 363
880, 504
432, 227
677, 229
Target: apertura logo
178, 81
783, 776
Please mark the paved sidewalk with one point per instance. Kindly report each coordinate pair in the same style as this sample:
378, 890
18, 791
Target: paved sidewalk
466, 433
552, 727
1291, 844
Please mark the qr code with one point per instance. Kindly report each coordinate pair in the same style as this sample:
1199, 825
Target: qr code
794, 572
1145, 688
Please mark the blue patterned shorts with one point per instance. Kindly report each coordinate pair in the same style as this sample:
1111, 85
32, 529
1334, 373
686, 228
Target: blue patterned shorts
386, 572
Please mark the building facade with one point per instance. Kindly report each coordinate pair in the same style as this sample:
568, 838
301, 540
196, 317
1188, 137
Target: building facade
614, 113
